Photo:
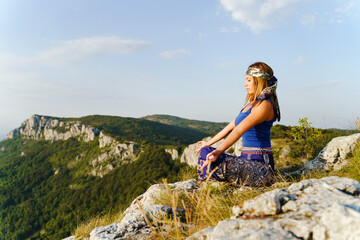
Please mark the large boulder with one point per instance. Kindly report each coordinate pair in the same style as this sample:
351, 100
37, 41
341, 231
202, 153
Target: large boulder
173, 152
320, 209
333, 155
155, 191
134, 225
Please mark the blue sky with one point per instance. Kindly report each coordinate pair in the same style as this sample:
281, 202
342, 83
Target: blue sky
183, 58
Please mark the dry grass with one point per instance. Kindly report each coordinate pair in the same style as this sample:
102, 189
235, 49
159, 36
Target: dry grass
83, 230
204, 207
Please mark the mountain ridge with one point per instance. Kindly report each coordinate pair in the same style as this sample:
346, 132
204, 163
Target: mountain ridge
131, 129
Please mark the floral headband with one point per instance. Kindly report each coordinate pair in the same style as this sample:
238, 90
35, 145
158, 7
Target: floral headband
255, 72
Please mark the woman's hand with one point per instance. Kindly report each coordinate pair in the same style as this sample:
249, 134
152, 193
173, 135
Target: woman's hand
211, 157
200, 145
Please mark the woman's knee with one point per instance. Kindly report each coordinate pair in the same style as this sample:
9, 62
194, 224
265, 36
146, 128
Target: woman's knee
205, 151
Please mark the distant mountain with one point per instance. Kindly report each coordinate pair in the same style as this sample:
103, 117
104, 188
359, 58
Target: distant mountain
209, 128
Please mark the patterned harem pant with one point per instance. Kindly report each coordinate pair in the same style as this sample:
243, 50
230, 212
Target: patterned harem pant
253, 168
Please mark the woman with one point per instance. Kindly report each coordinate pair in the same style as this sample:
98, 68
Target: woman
256, 164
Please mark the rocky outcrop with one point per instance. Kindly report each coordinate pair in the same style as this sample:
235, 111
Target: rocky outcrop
191, 158
52, 129
42, 127
114, 151
320, 209
333, 155
134, 225
173, 152
154, 192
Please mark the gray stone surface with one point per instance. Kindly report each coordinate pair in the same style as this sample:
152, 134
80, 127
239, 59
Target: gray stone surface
333, 155
173, 152
70, 238
149, 198
114, 150
319, 209
134, 225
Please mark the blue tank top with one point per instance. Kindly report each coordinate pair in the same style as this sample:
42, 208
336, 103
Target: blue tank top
257, 136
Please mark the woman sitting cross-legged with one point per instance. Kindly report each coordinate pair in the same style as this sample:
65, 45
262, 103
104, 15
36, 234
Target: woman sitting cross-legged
255, 166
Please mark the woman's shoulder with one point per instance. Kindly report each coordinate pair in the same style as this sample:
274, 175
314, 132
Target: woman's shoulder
266, 109
264, 105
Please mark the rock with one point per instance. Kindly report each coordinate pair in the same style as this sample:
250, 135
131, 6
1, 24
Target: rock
118, 153
173, 152
105, 140
154, 192
134, 225
70, 238
191, 158
327, 208
37, 127
284, 152
2, 149
90, 133
333, 155
105, 232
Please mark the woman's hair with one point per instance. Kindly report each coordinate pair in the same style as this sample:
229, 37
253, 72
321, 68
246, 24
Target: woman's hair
260, 83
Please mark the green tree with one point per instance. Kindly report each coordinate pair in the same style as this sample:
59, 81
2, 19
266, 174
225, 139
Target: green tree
307, 137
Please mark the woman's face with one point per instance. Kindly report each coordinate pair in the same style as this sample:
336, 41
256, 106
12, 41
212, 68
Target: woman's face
249, 84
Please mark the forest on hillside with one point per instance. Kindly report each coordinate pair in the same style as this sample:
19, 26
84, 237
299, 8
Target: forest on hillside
36, 203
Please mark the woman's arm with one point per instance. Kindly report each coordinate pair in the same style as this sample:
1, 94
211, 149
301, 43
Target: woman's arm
217, 137
220, 135
259, 114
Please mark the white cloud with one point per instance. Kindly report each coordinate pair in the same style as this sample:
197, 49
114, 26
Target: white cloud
75, 51
299, 59
345, 9
78, 50
171, 54
338, 15
259, 15
308, 20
